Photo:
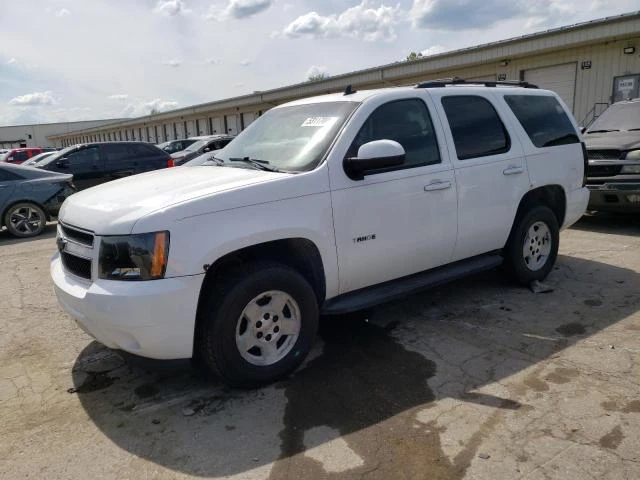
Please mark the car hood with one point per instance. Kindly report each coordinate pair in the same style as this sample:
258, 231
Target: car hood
114, 207
612, 140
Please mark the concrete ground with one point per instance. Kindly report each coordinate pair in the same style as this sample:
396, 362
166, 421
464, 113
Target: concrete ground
477, 379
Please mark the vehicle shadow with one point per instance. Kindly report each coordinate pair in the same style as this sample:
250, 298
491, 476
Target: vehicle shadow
7, 239
610, 222
369, 377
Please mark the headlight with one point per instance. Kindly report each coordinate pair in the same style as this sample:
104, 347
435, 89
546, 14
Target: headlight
630, 169
633, 155
134, 257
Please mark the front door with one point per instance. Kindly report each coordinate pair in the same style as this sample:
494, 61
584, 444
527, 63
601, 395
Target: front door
402, 220
86, 165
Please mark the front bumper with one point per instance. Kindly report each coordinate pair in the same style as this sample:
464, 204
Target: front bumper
153, 319
615, 197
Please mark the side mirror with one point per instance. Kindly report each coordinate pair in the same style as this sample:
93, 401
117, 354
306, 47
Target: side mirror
63, 163
206, 149
583, 129
374, 156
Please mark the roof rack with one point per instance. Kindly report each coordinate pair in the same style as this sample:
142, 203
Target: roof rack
461, 81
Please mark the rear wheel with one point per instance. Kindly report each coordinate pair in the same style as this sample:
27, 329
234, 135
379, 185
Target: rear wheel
533, 246
25, 220
259, 324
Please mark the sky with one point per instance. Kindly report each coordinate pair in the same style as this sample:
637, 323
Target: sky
68, 60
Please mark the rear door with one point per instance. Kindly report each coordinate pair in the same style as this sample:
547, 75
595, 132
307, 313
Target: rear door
490, 170
118, 160
7, 185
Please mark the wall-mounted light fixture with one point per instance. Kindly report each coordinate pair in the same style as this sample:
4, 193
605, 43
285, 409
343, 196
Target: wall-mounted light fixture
504, 63
629, 50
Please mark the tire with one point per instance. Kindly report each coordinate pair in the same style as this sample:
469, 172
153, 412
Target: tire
241, 337
25, 219
538, 227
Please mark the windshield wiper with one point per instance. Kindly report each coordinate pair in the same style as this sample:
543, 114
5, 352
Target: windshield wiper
602, 131
633, 129
215, 160
259, 164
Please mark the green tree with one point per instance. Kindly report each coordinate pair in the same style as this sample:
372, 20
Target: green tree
316, 77
414, 56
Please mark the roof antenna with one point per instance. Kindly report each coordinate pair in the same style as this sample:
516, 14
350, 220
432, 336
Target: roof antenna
349, 90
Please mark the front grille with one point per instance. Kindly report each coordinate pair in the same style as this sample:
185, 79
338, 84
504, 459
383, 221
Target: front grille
80, 267
603, 170
604, 154
79, 236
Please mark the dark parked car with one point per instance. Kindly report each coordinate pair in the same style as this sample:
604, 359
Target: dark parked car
95, 163
613, 146
203, 145
173, 146
29, 197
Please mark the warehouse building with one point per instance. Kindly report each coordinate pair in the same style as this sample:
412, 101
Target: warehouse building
589, 65
40, 135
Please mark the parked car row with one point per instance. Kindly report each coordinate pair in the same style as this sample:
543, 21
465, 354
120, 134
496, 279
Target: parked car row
20, 155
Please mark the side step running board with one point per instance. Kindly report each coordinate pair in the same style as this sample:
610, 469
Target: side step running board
394, 289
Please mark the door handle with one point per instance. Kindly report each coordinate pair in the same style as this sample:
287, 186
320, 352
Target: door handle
513, 170
437, 185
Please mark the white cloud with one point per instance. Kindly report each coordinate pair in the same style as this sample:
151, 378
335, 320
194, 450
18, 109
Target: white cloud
118, 96
238, 9
362, 21
63, 12
11, 61
244, 63
174, 62
170, 8
434, 50
316, 70
238, 85
142, 108
35, 98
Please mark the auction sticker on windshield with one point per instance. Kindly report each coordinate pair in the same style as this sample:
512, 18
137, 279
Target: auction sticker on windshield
319, 121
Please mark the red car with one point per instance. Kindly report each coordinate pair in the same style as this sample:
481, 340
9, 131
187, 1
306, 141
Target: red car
19, 155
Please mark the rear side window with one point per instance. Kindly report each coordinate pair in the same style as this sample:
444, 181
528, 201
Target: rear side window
115, 152
476, 127
544, 120
20, 156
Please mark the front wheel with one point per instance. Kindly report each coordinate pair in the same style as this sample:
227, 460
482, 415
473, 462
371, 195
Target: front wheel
259, 324
533, 245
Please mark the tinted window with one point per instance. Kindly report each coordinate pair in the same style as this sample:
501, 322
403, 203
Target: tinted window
20, 156
84, 157
476, 127
544, 120
115, 152
408, 123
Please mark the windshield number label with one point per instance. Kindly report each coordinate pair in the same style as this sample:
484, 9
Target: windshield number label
318, 121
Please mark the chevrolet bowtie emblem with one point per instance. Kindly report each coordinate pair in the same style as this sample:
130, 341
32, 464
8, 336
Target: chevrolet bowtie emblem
61, 243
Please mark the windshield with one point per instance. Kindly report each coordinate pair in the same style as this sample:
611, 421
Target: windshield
618, 117
194, 147
56, 156
292, 138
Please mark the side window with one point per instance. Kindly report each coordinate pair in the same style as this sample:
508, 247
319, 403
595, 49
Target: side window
116, 152
544, 120
408, 123
20, 156
476, 127
84, 157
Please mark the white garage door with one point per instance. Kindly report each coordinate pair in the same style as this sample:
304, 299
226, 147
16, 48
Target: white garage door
560, 79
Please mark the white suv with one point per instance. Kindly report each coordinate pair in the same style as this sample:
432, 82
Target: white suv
323, 205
